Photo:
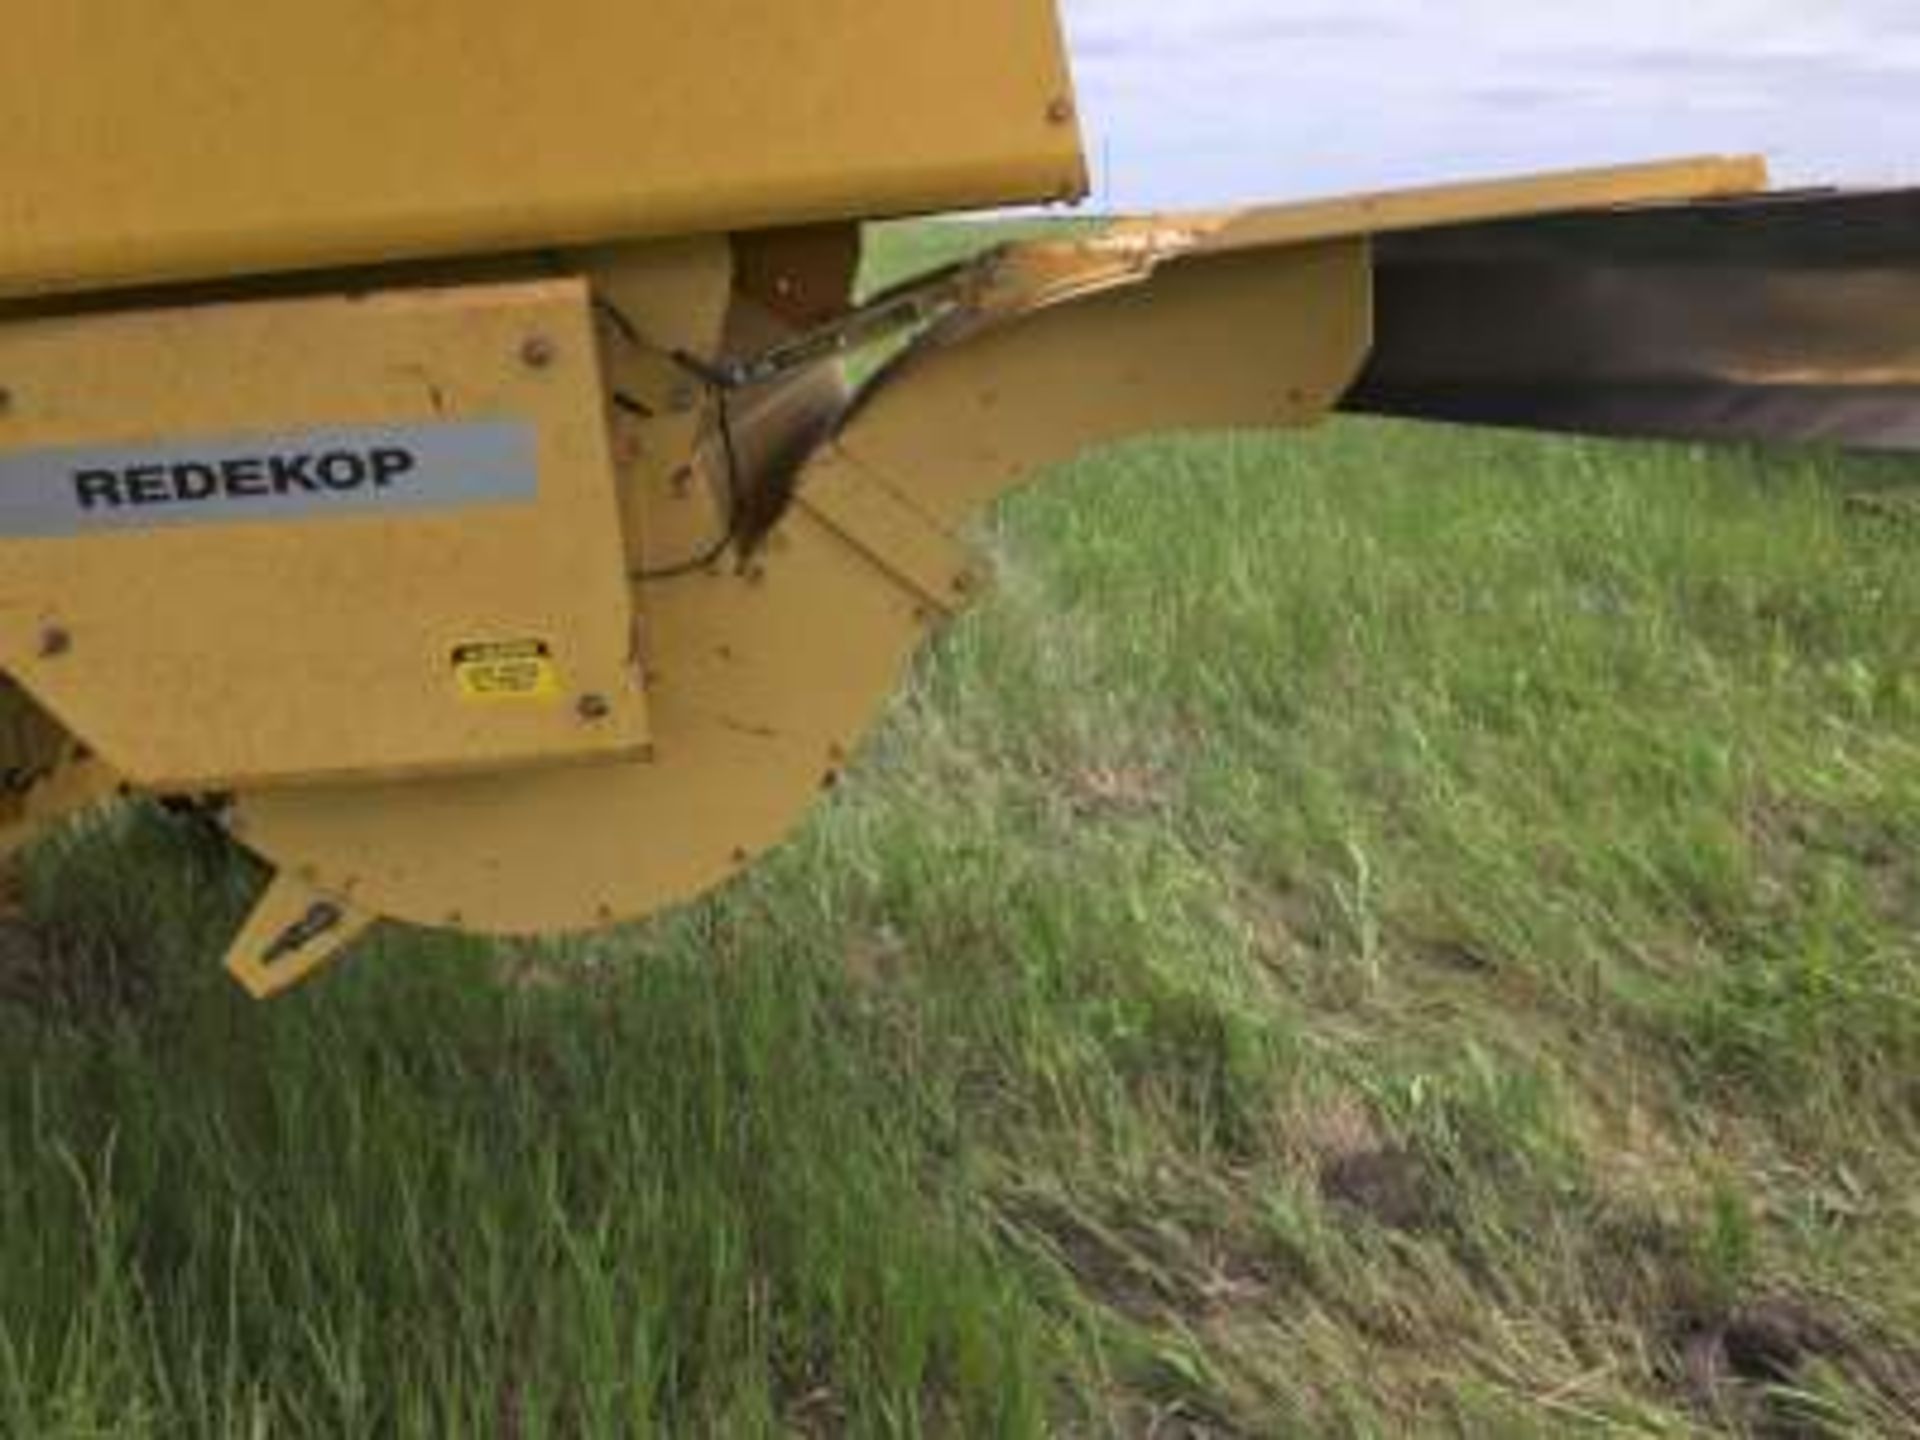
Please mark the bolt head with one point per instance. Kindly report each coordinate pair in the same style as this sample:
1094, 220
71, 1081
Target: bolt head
55, 641
538, 352
594, 708
1060, 112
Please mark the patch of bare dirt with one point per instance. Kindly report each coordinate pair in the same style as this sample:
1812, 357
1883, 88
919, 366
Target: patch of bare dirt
876, 960
58, 980
1792, 837
1391, 1186
1285, 924
1151, 1273
1743, 1365
1118, 789
1899, 507
1461, 957
1362, 1172
1104, 1263
1146, 1419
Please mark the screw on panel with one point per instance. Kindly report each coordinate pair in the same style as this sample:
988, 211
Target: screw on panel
594, 707
1060, 112
55, 642
6, 399
538, 352
318, 920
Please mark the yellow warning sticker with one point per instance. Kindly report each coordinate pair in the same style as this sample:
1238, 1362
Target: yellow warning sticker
516, 670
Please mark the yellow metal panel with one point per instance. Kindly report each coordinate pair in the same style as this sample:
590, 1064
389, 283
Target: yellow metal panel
887, 525
198, 138
243, 650
1260, 338
1477, 200
657, 299
765, 676
763, 683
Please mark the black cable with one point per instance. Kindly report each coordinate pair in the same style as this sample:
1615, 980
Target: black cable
707, 558
720, 385
629, 332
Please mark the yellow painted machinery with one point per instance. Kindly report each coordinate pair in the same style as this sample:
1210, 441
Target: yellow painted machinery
425, 445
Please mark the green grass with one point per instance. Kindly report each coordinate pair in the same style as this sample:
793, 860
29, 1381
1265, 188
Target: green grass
1388, 931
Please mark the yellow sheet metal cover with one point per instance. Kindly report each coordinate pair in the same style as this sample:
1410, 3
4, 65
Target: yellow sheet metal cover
317, 538
204, 138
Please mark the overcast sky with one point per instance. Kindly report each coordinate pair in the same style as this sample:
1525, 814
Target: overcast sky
1195, 101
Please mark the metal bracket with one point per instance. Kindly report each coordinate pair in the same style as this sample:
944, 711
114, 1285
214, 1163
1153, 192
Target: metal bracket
889, 529
293, 931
